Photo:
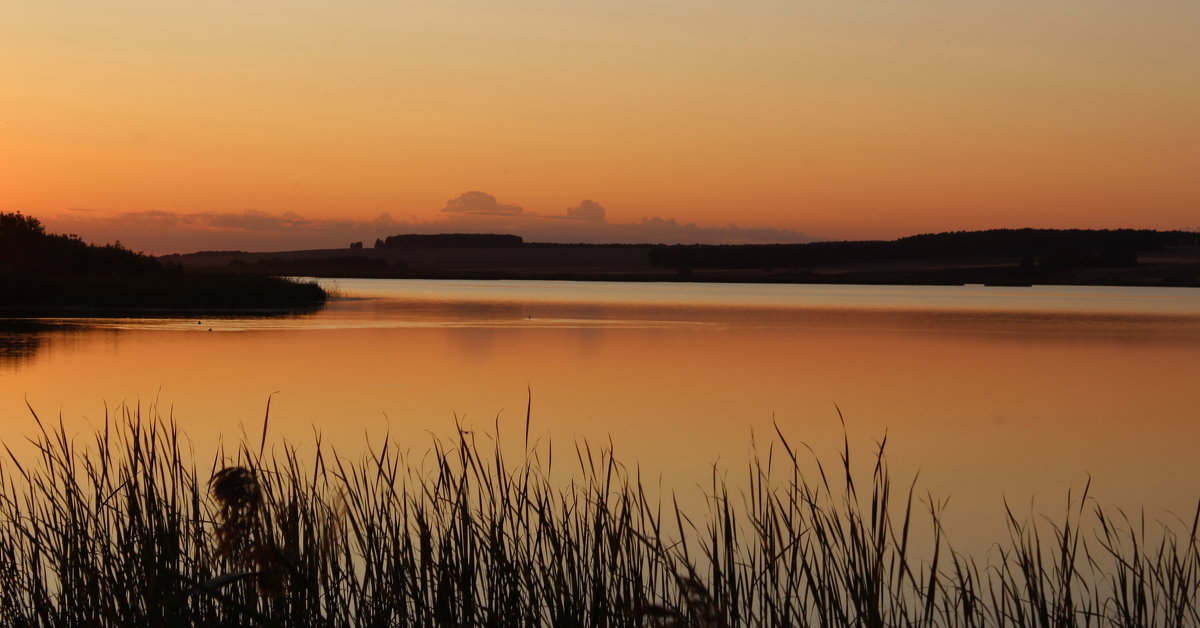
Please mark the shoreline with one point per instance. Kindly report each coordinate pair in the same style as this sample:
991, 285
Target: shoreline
1171, 267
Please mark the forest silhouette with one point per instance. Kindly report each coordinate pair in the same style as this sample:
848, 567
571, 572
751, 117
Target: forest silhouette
41, 271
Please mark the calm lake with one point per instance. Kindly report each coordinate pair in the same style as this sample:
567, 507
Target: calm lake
989, 393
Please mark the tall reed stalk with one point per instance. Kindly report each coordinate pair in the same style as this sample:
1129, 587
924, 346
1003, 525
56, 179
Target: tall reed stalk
125, 530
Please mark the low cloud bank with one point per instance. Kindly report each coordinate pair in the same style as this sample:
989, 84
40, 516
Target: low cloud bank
587, 210
481, 204
161, 232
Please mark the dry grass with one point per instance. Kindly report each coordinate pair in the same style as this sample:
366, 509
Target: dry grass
126, 531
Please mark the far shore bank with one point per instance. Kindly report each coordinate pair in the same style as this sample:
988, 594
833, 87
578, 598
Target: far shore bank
1172, 266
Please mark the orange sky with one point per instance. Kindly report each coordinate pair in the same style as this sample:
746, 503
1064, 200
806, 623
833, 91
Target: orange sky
222, 124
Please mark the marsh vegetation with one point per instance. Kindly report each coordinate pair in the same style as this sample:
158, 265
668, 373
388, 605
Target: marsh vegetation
127, 529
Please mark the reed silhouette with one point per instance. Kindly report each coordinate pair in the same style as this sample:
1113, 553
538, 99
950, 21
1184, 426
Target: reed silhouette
127, 530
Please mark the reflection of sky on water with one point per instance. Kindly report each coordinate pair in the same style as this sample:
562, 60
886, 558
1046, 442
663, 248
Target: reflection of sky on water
985, 404
19, 342
1184, 301
1052, 310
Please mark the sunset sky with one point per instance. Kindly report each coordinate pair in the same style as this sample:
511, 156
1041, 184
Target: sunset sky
265, 124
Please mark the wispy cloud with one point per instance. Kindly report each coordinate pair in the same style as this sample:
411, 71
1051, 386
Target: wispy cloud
254, 220
158, 231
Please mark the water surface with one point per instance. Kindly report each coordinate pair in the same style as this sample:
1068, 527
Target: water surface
990, 393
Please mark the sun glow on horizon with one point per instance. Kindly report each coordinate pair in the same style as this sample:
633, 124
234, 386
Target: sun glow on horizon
866, 120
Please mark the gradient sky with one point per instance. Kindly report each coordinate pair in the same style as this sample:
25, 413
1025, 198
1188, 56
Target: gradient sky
260, 124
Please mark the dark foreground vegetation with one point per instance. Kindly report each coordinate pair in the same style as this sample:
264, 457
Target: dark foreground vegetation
41, 271
126, 530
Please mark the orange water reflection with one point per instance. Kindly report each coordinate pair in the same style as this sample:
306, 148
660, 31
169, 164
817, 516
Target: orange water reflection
985, 404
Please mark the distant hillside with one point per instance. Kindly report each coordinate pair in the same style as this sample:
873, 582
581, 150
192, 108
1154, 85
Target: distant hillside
1124, 257
1061, 248
41, 271
450, 240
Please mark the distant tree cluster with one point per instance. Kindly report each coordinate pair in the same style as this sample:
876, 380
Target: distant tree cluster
1060, 248
26, 247
451, 240
43, 270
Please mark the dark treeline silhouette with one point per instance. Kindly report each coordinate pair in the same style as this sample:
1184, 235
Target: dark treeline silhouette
1020, 257
40, 270
1045, 248
26, 247
452, 240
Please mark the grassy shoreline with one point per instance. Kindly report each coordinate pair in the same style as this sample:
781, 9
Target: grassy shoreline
127, 530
